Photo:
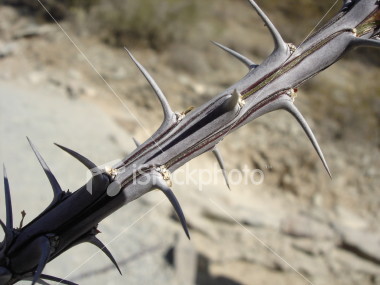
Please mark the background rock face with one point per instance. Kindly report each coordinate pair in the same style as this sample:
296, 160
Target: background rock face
297, 226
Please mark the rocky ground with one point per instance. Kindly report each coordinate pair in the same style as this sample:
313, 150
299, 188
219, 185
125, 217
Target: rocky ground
297, 227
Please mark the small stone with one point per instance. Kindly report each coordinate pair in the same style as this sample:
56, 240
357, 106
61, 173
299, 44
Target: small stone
74, 90
305, 227
75, 74
32, 31
90, 92
256, 218
312, 247
119, 73
7, 49
361, 243
36, 77
346, 218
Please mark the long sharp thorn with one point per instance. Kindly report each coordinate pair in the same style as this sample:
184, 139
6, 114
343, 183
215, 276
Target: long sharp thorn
39, 281
7, 233
53, 181
219, 158
8, 201
246, 61
95, 241
177, 207
88, 163
365, 43
292, 109
136, 142
45, 252
232, 101
5, 229
57, 279
278, 41
164, 103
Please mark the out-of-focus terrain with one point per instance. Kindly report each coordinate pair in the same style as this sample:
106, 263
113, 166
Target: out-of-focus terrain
297, 225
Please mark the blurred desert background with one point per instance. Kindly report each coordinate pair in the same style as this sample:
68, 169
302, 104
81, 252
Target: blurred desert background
297, 227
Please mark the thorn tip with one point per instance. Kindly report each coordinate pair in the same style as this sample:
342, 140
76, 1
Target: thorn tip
8, 201
173, 200
57, 190
293, 110
219, 158
246, 61
278, 41
168, 113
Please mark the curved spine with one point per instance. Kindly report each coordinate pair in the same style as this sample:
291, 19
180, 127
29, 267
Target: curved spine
358, 42
8, 201
293, 110
56, 279
279, 43
85, 161
8, 236
219, 158
57, 190
96, 242
161, 185
245, 60
168, 113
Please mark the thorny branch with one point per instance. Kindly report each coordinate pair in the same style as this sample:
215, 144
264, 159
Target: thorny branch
72, 218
